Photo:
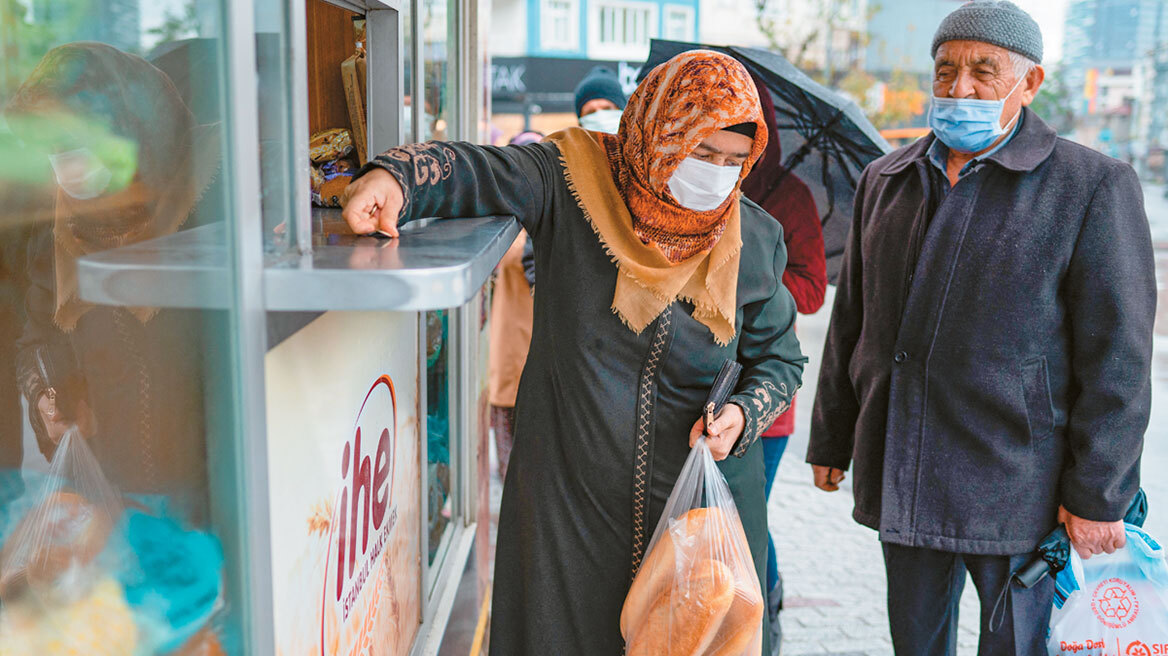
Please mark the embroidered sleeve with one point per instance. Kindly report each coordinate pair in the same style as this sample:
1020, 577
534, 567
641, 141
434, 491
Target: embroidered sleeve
772, 362
761, 406
457, 179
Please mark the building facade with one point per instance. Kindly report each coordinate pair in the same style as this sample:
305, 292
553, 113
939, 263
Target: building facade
540, 50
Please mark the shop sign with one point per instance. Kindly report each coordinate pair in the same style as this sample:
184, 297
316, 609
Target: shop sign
345, 487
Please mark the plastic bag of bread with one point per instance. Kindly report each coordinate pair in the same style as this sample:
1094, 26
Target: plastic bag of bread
52, 553
696, 592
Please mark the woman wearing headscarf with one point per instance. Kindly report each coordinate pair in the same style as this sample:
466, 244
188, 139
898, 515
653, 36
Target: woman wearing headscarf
130, 163
653, 271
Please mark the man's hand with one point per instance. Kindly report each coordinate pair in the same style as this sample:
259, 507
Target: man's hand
372, 203
1090, 538
722, 433
827, 478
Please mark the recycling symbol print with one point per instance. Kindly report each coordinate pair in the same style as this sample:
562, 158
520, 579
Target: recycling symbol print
1115, 603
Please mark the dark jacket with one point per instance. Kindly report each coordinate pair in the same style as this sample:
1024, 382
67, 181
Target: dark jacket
1008, 371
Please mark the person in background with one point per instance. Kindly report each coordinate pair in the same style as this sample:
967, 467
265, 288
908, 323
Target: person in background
787, 198
653, 271
511, 312
988, 363
600, 99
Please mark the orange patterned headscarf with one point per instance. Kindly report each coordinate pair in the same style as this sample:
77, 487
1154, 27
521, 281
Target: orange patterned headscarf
680, 103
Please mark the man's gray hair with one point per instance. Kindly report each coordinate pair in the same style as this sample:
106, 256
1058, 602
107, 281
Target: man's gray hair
1022, 64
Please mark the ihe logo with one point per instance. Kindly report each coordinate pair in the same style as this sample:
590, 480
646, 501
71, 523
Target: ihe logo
364, 513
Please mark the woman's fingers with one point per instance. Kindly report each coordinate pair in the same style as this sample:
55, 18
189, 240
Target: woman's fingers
373, 203
696, 432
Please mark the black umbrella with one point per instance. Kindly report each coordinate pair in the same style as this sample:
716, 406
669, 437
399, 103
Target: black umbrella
826, 140
1055, 549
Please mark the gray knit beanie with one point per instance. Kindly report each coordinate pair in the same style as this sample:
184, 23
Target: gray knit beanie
999, 22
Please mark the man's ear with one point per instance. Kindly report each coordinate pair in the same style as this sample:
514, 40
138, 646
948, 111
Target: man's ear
1033, 83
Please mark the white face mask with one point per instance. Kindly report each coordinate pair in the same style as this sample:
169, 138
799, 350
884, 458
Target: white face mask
80, 173
702, 186
603, 120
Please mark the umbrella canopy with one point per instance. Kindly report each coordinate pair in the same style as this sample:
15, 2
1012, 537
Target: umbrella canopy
825, 138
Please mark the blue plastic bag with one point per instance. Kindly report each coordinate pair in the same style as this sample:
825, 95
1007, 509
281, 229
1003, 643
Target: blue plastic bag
1113, 604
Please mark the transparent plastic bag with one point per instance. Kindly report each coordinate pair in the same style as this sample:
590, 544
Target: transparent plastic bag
1113, 603
697, 592
53, 550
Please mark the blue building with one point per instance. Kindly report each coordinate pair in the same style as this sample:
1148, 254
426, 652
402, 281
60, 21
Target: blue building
1109, 37
540, 49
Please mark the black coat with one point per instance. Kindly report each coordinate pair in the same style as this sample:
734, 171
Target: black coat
1008, 371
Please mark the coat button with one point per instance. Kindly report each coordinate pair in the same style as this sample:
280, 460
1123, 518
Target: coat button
900, 356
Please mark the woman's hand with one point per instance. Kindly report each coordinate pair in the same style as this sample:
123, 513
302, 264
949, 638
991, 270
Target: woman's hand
722, 433
57, 423
372, 203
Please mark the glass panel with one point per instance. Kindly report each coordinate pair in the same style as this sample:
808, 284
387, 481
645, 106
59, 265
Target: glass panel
407, 55
119, 413
439, 29
438, 418
277, 174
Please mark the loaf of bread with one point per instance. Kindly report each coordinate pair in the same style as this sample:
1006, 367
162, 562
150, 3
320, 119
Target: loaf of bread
683, 621
658, 569
740, 626
660, 615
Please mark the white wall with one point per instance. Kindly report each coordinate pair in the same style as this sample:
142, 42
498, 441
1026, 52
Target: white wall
508, 28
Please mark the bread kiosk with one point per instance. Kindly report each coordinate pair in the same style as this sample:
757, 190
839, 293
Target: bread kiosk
342, 378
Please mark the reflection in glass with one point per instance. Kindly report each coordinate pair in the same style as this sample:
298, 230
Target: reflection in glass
110, 136
407, 54
439, 51
438, 426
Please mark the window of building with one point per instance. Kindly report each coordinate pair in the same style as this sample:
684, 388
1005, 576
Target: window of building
679, 23
560, 27
622, 30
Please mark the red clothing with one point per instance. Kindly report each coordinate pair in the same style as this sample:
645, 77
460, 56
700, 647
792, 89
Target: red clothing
787, 198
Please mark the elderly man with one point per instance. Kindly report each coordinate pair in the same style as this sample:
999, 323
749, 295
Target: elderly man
987, 364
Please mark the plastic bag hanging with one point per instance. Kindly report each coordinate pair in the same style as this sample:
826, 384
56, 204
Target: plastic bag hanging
53, 551
697, 592
1113, 603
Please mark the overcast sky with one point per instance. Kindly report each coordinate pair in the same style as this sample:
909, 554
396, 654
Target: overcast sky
1049, 14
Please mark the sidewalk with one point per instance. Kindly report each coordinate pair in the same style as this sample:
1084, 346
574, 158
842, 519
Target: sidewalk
834, 573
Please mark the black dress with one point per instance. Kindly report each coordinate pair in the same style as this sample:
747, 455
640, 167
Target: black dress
603, 414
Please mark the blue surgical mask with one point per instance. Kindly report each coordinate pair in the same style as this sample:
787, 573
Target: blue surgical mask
969, 125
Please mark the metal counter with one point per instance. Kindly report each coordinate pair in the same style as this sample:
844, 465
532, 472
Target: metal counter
435, 264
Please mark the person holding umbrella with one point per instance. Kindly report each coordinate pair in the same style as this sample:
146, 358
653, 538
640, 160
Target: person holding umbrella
987, 366
787, 198
653, 271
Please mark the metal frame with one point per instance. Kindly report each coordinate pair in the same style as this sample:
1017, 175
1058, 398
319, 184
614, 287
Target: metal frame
249, 328
385, 79
297, 28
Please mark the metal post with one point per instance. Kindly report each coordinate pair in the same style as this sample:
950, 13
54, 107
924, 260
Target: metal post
247, 326
385, 84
